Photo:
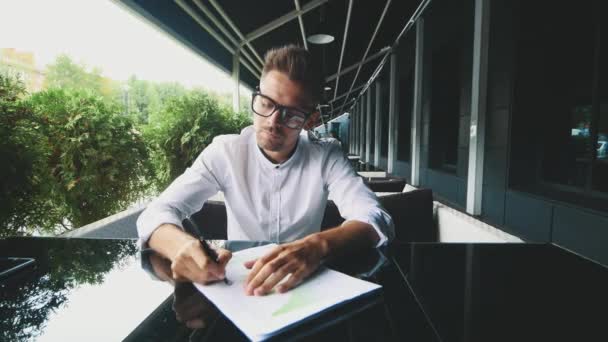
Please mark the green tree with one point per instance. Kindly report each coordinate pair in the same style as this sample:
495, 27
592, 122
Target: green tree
141, 97
168, 90
145, 97
66, 74
183, 128
97, 156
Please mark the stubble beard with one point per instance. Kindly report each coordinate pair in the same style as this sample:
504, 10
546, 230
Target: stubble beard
267, 142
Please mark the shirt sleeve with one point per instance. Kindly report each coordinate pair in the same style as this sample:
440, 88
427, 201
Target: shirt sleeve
354, 199
185, 196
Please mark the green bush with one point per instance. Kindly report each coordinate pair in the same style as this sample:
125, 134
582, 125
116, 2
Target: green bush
182, 128
97, 157
23, 152
72, 157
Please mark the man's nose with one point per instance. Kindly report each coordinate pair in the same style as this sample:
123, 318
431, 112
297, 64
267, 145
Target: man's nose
275, 118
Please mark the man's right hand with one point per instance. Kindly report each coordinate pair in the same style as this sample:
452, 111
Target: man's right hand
188, 260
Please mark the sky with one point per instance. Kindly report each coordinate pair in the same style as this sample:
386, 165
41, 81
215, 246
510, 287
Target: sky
104, 34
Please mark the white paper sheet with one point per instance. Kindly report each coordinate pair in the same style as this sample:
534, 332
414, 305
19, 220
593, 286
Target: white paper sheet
261, 317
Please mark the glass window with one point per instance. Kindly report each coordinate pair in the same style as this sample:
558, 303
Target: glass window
560, 120
600, 167
406, 95
445, 104
372, 99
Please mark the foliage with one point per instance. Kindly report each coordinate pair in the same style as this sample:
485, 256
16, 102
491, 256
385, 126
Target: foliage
144, 97
96, 155
66, 74
183, 128
73, 153
24, 161
62, 267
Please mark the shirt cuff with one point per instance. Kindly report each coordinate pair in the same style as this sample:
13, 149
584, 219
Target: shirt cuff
150, 220
381, 224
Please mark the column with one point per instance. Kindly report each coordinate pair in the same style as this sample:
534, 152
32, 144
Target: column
393, 116
478, 106
378, 124
236, 94
417, 103
368, 126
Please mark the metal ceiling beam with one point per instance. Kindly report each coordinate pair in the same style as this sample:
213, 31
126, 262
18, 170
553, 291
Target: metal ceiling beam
417, 13
280, 21
355, 65
192, 13
369, 45
222, 28
238, 32
346, 25
376, 72
336, 108
345, 93
301, 22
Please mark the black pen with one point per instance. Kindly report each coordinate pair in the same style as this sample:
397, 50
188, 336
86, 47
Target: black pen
213, 255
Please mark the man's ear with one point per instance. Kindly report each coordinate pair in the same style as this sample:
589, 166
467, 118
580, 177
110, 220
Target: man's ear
312, 121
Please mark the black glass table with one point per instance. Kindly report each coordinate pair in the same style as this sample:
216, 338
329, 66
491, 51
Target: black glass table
108, 290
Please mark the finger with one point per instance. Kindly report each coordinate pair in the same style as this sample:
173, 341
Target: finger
177, 277
219, 269
262, 261
266, 271
294, 280
249, 264
275, 278
224, 256
182, 313
196, 323
206, 275
178, 270
188, 260
211, 269
199, 257
197, 275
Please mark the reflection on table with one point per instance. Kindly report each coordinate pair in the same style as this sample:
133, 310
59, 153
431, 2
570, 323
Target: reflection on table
83, 289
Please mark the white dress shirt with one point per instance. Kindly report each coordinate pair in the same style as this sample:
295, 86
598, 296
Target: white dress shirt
266, 201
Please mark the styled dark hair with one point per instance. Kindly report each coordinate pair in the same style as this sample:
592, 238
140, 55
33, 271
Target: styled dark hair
299, 65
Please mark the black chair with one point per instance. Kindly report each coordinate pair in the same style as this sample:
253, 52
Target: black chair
210, 222
412, 213
389, 184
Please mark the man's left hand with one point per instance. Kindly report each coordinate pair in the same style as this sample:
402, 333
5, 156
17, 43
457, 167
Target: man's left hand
295, 260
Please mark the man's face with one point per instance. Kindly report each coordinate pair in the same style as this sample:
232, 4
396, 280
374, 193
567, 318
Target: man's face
276, 139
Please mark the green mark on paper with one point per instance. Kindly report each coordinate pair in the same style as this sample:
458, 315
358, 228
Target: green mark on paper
296, 301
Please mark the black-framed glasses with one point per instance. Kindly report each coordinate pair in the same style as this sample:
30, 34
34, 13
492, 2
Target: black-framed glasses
265, 106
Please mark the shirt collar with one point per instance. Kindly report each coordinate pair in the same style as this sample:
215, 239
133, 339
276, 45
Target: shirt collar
270, 165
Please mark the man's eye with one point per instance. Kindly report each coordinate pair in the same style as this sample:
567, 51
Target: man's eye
267, 103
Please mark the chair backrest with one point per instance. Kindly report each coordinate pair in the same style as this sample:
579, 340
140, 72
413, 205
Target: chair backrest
391, 184
412, 213
210, 222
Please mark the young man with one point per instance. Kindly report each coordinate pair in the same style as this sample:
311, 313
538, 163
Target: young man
276, 182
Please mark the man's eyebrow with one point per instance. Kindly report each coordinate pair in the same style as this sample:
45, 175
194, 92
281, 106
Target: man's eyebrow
303, 109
